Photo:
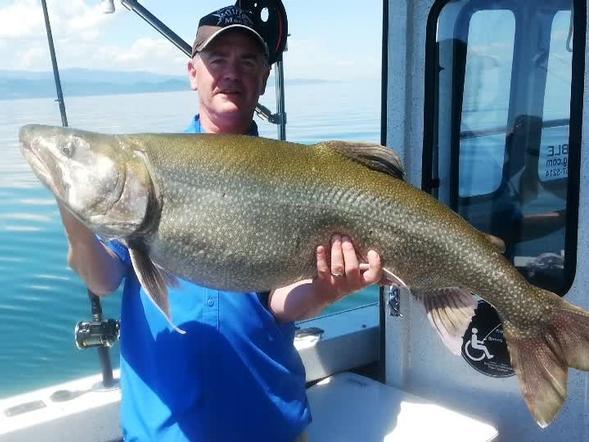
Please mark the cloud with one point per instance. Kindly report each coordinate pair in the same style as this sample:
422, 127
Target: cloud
311, 58
84, 18
76, 26
80, 33
23, 19
153, 54
32, 57
86, 38
20, 19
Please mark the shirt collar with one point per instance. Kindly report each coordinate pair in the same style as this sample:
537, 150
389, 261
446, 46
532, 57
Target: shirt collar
196, 128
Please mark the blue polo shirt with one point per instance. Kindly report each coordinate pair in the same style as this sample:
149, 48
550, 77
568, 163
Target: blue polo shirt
234, 376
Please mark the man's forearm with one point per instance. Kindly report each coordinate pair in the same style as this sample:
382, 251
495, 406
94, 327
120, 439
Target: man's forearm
298, 301
98, 266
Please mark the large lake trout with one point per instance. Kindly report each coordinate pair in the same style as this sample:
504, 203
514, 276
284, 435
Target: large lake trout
245, 214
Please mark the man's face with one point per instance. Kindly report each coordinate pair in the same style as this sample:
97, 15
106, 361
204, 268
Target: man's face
229, 75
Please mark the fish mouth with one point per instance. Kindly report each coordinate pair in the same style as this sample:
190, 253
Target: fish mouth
40, 166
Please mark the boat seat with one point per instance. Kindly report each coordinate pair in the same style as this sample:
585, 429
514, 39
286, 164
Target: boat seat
348, 407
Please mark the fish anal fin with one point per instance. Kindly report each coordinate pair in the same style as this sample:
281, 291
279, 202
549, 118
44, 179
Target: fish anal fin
376, 157
540, 358
450, 311
155, 281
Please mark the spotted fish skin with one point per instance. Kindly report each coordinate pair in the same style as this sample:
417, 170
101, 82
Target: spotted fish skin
245, 213
260, 219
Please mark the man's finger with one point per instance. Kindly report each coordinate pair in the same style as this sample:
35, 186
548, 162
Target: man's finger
374, 272
350, 258
322, 265
337, 259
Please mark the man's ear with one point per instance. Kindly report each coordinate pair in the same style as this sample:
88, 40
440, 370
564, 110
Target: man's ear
192, 74
264, 81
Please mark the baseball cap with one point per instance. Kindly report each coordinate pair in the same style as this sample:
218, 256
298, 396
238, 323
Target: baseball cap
214, 24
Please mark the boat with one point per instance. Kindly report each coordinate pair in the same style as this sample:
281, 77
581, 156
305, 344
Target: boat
485, 101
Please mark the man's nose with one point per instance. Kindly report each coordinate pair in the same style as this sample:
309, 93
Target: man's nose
231, 71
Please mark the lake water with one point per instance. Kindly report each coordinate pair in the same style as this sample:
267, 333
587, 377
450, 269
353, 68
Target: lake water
41, 298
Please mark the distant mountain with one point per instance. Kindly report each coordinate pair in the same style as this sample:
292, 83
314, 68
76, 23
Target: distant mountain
79, 74
77, 82
82, 82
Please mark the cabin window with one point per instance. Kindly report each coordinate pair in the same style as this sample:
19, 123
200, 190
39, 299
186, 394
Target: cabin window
500, 147
484, 111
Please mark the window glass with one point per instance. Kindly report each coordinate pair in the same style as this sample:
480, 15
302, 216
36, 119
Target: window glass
489, 58
553, 160
502, 128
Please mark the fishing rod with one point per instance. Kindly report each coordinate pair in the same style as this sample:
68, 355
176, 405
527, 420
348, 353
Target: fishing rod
54, 65
98, 333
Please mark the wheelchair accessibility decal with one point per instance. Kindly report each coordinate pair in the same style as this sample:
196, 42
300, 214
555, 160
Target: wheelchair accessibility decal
483, 344
477, 346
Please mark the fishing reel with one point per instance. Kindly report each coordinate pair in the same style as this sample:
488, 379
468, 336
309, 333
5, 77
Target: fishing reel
102, 333
270, 19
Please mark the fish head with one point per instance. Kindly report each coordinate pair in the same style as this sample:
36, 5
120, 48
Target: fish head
100, 180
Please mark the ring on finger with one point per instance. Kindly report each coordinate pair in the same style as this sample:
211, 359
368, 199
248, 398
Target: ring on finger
337, 274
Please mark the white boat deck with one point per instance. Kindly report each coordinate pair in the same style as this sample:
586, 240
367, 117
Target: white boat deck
349, 408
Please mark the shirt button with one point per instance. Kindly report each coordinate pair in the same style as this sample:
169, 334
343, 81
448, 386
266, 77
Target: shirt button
210, 301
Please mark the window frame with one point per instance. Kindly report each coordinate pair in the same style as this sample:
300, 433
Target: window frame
430, 173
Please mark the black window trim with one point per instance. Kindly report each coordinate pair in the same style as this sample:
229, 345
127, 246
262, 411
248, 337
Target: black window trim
430, 181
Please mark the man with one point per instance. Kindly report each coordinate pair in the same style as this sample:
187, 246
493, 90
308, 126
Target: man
235, 375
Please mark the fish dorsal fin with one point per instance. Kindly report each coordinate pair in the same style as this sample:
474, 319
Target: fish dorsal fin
495, 241
155, 281
450, 311
374, 156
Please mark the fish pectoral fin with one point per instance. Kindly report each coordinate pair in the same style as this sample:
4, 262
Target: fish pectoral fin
151, 278
155, 281
541, 359
171, 280
450, 311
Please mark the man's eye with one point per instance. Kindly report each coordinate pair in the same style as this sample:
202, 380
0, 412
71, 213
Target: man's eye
249, 64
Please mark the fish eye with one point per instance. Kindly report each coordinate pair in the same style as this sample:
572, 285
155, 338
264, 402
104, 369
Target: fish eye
68, 149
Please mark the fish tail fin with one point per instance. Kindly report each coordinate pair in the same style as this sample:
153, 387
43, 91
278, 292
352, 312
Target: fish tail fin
542, 355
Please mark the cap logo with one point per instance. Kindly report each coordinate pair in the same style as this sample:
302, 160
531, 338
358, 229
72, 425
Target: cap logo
231, 16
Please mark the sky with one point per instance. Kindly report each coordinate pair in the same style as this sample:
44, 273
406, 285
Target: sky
329, 39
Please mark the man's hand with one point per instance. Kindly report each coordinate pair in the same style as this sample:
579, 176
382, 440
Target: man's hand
339, 273
98, 266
